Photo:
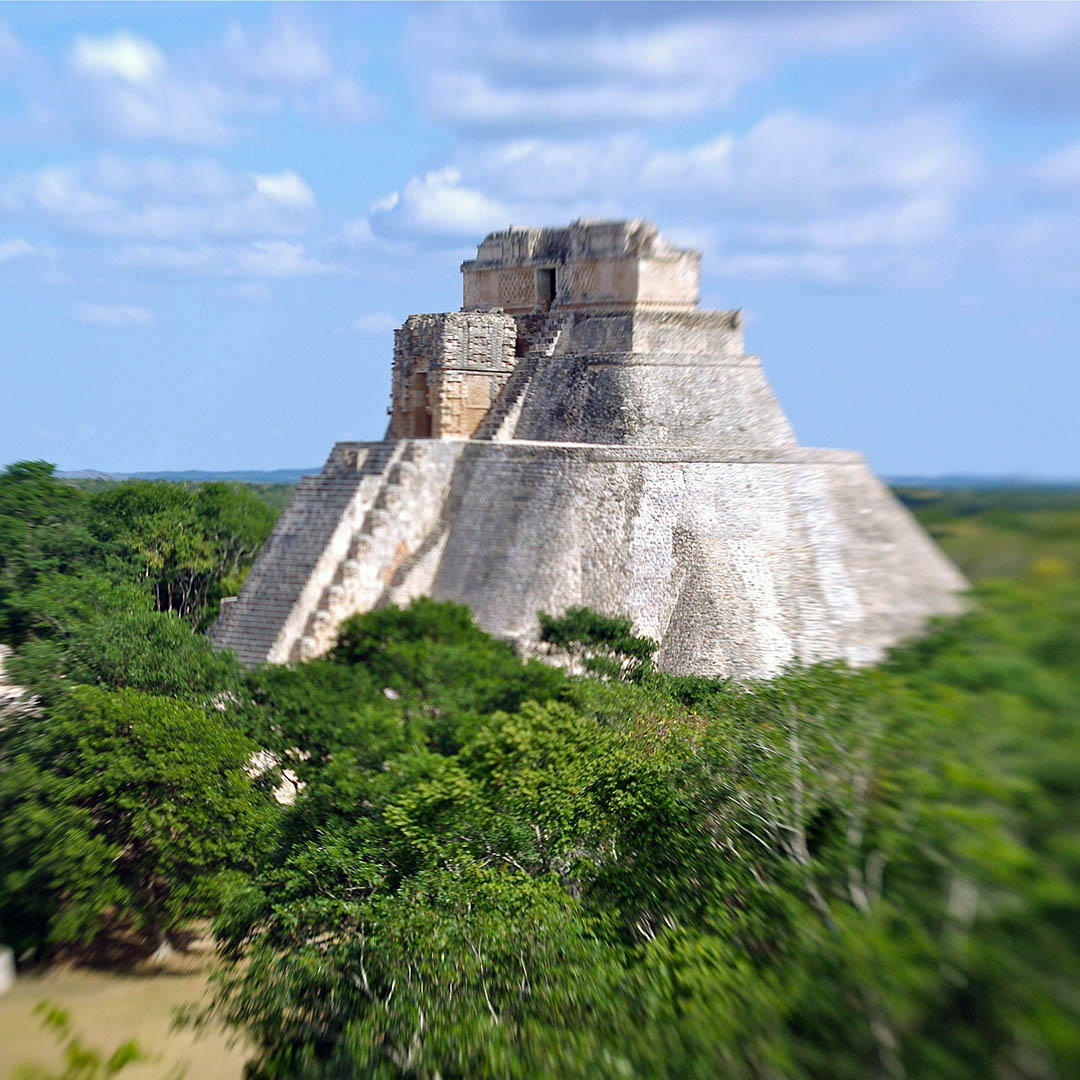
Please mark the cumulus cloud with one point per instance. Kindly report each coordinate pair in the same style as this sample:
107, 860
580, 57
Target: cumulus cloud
285, 188
127, 87
121, 56
111, 315
438, 202
795, 194
790, 180
159, 198
498, 67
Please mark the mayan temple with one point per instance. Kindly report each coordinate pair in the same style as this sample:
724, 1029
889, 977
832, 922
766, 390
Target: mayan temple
581, 432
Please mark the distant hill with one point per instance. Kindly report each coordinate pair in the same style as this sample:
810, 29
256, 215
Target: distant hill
968, 482
198, 476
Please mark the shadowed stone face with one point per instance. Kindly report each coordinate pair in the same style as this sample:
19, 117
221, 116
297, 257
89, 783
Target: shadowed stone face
582, 433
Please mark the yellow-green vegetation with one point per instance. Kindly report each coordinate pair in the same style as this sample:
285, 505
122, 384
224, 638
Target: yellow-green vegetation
497, 869
1005, 532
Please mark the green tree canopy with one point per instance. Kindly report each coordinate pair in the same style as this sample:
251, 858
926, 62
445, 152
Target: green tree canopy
119, 806
832, 874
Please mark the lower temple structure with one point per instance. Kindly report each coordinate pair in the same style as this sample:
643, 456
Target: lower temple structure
581, 433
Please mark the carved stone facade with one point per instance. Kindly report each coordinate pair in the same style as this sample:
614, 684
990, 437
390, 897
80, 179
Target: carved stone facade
586, 266
582, 433
448, 372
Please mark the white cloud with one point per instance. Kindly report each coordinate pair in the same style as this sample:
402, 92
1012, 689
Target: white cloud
490, 67
159, 199
167, 110
121, 56
795, 195
882, 181
128, 88
279, 258
285, 188
375, 322
903, 225
14, 249
111, 315
284, 54
438, 202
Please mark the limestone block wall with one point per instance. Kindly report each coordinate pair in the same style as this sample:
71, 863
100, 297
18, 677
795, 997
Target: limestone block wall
738, 560
738, 566
669, 282
658, 399
717, 335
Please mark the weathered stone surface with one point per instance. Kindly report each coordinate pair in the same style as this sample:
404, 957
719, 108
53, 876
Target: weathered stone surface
623, 452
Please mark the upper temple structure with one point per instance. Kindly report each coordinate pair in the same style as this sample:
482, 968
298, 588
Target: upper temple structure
582, 433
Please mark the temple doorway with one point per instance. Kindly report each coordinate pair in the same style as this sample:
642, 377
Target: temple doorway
545, 286
418, 410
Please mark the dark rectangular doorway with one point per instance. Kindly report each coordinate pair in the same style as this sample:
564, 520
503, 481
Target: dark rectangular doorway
545, 286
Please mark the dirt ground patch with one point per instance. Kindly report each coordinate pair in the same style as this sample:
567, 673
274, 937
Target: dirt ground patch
108, 1008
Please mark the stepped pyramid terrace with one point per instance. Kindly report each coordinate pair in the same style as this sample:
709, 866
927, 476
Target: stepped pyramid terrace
582, 433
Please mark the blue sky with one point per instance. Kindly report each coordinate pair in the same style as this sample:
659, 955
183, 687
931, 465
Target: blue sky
212, 216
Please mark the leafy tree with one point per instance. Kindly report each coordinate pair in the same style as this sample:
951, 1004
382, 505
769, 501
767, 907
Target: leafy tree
42, 532
832, 874
604, 645
94, 631
188, 544
119, 806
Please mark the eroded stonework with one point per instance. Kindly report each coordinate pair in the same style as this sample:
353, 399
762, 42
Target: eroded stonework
582, 433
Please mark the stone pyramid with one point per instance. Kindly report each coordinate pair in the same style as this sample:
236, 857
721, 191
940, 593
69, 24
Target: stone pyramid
582, 433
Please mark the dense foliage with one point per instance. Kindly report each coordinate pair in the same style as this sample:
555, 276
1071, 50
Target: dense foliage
119, 802
833, 874
123, 792
187, 545
497, 868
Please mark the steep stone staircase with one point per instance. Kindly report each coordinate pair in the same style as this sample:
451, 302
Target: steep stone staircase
403, 511
499, 424
258, 624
